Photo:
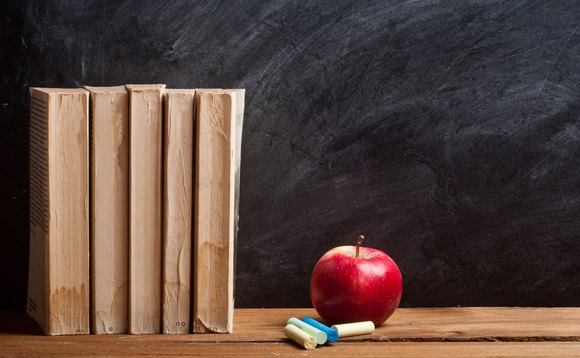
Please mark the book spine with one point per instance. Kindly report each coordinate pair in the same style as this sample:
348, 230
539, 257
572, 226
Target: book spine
109, 210
214, 213
69, 214
59, 217
178, 206
145, 208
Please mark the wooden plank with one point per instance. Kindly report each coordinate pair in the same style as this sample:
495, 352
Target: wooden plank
407, 324
483, 323
258, 332
129, 348
442, 324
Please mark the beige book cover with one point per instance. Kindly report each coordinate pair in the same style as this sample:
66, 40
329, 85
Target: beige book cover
145, 208
58, 285
109, 208
178, 206
215, 216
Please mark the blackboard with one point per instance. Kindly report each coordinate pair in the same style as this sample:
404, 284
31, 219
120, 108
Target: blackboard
447, 132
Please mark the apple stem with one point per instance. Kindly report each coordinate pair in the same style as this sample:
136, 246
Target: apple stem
358, 242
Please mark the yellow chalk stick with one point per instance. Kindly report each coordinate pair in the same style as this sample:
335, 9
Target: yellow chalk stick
300, 337
354, 329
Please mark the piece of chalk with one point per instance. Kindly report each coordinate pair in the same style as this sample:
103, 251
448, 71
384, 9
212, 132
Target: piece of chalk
331, 334
354, 329
313, 331
300, 337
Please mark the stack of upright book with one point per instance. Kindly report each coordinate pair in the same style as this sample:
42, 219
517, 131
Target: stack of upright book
134, 194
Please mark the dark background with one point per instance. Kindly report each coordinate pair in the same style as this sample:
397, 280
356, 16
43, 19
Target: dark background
447, 132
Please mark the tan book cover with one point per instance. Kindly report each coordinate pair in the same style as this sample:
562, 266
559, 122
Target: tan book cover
58, 285
109, 208
215, 205
178, 206
145, 208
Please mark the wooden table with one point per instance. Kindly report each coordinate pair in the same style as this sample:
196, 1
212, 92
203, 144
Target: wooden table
411, 332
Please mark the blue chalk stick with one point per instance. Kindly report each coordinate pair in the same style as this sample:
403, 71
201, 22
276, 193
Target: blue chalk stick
331, 334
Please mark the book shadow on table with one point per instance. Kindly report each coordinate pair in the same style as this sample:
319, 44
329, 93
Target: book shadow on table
18, 322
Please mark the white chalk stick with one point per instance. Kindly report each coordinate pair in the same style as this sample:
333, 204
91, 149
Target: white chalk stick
300, 337
354, 329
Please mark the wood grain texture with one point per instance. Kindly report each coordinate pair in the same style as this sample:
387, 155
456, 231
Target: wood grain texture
214, 221
109, 208
185, 348
449, 332
178, 207
439, 324
145, 208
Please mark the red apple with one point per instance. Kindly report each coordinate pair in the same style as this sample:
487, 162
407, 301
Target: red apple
353, 284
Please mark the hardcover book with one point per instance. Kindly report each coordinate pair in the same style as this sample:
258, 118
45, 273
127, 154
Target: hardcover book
58, 285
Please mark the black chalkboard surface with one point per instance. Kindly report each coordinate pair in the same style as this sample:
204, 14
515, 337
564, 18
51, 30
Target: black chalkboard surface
447, 132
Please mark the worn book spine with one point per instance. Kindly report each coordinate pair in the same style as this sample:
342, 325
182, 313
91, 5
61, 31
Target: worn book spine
214, 216
178, 206
145, 208
109, 208
58, 286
